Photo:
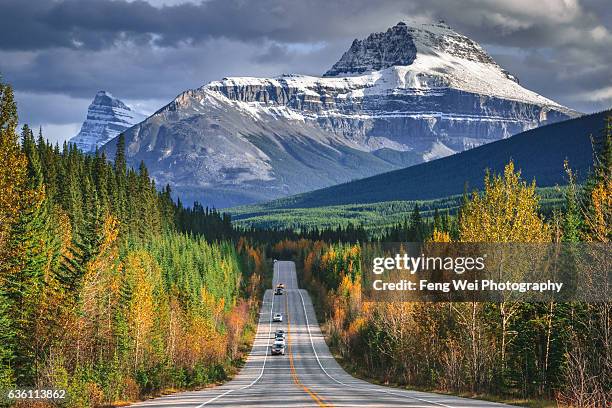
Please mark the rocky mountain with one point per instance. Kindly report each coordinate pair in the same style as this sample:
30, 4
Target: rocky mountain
395, 99
107, 116
538, 153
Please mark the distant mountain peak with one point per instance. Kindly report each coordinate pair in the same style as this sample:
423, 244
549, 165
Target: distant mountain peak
107, 116
105, 98
401, 44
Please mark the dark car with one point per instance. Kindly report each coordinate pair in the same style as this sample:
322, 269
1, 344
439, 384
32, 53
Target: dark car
278, 349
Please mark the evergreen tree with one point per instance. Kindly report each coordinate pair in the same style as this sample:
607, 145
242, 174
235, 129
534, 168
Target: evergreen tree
30, 241
120, 162
7, 342
25, 269
597, 196
100, 178
572, 217
35, 176
121, 200
49, 162
437, 221
416, 231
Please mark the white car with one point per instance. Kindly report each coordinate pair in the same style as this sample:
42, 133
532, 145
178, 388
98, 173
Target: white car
277, 317
279, 342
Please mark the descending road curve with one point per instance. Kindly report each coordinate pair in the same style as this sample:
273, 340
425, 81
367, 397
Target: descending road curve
308, 375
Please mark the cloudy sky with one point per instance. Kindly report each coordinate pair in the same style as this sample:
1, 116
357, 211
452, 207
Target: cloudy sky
57, 54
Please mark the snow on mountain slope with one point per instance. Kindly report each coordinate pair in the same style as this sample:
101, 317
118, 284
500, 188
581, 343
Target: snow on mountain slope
442, 59
107, 116
397, 98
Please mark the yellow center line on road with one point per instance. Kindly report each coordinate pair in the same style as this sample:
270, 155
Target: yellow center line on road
294, 375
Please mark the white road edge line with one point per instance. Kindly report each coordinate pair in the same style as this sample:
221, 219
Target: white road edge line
263, 366
352, 386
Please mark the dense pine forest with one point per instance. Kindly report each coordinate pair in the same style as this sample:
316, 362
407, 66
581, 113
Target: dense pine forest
519, 352
374, 217
109, 289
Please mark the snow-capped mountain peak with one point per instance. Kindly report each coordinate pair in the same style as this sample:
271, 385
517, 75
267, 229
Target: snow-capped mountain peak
107, 116
431, 56
397, 98
107, 99
401, 44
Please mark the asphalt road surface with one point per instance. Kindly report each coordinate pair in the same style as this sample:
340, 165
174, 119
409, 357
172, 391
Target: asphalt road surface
307, 375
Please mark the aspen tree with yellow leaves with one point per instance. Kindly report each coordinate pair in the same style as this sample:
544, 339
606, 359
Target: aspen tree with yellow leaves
506, 211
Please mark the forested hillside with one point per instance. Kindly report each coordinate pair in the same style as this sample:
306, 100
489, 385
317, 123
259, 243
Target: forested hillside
101, 293
374, 217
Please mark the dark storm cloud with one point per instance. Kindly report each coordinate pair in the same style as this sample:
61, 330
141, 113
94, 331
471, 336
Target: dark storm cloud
96, 24
144, 50
132, 71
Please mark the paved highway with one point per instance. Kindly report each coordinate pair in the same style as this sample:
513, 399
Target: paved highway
308, 375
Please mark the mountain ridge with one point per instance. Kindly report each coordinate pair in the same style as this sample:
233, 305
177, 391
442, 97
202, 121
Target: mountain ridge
242, 139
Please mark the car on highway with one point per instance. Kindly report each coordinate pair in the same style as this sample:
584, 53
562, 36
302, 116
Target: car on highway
278, 291
279, 335
279, 332
280, 341
280, 285
277, 317
278, 349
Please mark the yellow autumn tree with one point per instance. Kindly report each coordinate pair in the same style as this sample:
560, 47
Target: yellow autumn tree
507, 211
599, 219
440, 236
91, 327
12, 185
144, 272
13, 176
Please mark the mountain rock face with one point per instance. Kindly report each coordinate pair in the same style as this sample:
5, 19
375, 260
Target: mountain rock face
378, 51
107, 116
398, 46
539, 154
395, 99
